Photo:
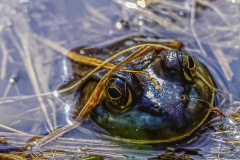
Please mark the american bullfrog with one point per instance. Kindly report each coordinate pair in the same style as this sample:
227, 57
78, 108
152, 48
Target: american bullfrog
168, 97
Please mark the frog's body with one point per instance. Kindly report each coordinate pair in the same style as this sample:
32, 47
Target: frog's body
132, 107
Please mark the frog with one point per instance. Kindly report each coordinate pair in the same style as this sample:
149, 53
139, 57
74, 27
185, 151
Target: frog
132, 107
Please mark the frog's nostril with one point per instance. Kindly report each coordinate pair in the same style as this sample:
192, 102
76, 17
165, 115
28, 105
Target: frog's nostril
185, 100
156, 111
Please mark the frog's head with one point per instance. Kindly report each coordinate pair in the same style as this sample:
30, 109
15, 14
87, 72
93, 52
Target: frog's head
133, 107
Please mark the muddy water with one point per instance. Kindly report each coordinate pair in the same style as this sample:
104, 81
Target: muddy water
35, 34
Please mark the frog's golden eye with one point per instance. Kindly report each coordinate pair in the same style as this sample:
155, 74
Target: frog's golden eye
189, 67
118, 95
191, 63
114, 92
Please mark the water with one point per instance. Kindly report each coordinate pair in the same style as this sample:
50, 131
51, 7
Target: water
36, 34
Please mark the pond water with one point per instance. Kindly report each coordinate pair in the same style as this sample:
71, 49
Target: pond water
36, 35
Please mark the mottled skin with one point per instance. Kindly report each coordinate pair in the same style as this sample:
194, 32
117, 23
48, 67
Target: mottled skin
133, 108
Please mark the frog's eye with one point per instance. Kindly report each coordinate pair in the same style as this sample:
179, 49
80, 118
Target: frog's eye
191, 63
189, 67
118, 95
113, 92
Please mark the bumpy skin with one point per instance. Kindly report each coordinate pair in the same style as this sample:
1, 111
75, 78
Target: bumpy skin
153, 115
